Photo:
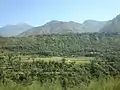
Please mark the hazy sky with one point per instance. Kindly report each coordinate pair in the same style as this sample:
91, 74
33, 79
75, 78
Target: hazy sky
38, 12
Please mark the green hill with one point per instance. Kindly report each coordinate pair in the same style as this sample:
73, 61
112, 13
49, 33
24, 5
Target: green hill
87, 44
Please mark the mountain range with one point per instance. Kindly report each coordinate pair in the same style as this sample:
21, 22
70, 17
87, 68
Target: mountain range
61, 27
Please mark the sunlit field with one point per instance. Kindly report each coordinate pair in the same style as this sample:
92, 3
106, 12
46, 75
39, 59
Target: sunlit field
77, 60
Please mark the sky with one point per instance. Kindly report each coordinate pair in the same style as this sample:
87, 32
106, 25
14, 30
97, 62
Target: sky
38, 12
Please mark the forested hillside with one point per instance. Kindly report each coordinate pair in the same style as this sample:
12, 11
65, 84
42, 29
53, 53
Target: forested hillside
86, 44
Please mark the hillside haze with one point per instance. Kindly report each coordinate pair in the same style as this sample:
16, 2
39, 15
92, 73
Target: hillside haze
113, 25
60, 27
93, 25
13, 30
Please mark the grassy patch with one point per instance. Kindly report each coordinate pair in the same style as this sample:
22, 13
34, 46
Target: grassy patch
77, 60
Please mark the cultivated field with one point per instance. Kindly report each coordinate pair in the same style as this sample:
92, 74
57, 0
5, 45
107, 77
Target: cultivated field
77, 60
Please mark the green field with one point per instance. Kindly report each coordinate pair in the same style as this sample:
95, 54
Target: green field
77, 60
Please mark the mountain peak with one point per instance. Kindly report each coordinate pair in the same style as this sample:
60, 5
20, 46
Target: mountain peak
53, 21
117, 18
89, 21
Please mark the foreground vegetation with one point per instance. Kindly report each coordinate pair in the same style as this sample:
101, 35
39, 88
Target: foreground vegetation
101, 84
16, 74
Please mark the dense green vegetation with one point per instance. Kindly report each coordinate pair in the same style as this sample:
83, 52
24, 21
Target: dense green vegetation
101, 73
103, 84
92, 44
54, 74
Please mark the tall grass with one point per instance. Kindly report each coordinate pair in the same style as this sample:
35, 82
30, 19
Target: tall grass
101, 84
105, 84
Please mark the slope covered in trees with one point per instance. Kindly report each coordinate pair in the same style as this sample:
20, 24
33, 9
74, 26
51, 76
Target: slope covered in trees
87, 44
